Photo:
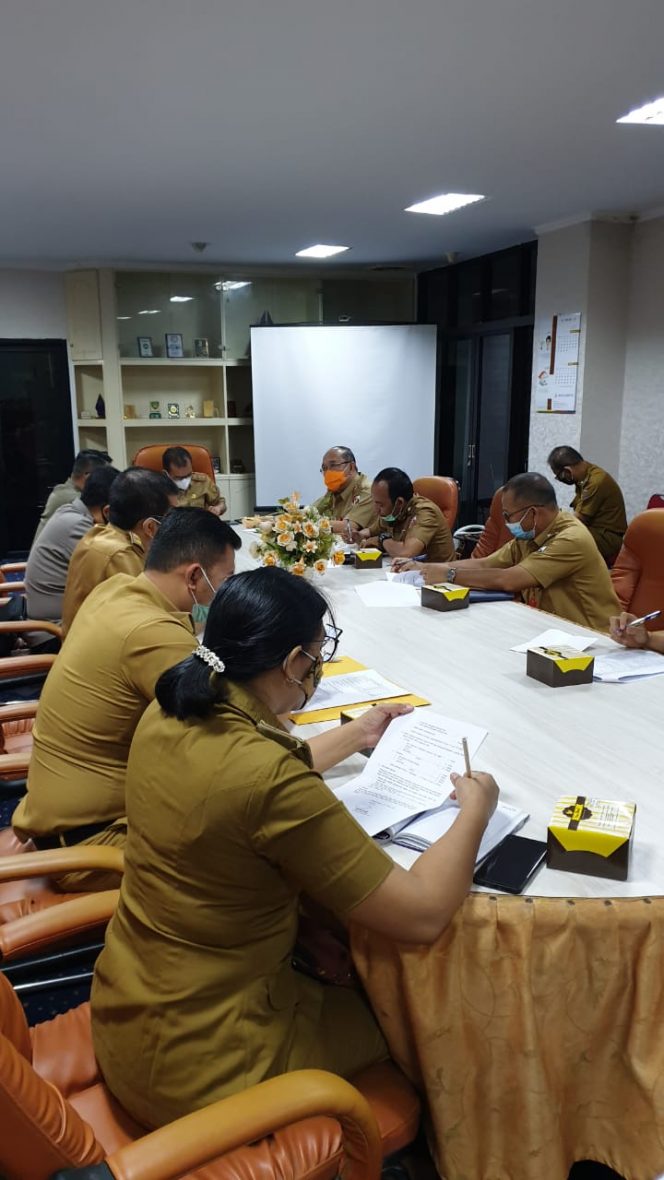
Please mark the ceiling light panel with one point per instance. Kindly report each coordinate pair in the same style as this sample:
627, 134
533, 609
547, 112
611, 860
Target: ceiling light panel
651, 114
321, 251
445, 203
181, 298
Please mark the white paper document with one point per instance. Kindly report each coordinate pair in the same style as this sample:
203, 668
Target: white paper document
422, 832
392, 593
409, 771
407, 577
351, 688
555, 638
627, 664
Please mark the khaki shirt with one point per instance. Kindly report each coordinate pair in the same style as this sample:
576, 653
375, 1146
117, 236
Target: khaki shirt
201, 493
194, 995
104, 551
353, 503
424, 521
63, 493
599, 504
573, 581
124, 636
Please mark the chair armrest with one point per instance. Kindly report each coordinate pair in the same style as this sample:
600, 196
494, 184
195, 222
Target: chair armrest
19, 711
15, 765
13, 588
25, 665
34, 932
54, 861
195, 1140
13, 567
23, 625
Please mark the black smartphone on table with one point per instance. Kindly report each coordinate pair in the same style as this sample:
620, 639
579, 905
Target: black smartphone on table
512, 864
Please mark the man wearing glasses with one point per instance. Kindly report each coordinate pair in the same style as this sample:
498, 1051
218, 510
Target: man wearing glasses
552, 562
348, 501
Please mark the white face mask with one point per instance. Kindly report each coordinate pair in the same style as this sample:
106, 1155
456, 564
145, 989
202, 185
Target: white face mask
182, 484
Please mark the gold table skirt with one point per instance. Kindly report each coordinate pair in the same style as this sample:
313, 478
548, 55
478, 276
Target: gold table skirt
535, 1029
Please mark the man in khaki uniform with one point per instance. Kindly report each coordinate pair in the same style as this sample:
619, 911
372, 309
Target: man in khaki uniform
408, 525
553, 562
128, 631
70, 490
137, 502
598, 502
195, 489
347, 502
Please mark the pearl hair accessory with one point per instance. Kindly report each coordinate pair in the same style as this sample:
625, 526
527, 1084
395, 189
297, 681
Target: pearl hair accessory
210, 659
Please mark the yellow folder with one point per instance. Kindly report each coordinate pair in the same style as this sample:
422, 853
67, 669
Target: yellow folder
337, 668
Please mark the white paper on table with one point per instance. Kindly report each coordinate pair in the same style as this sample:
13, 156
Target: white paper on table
555, 638
421, 833
627, 664
409, 770
388, 594
407, 577
351, 688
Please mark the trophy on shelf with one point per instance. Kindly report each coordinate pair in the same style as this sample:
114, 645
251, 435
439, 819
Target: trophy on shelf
155, 411
190, 412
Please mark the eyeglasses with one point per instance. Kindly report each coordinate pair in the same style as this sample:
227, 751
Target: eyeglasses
334, 466
329, 645
507, 516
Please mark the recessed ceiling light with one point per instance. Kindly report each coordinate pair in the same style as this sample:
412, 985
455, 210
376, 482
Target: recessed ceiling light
181, 298
320, 251
652, 112
445, 203
123, 317
149, 311
232, 285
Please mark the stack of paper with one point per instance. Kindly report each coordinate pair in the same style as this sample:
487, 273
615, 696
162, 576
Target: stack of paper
420, 833
627, 664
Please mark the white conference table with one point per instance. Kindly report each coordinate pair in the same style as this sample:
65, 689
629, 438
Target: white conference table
602, 739
533, 1024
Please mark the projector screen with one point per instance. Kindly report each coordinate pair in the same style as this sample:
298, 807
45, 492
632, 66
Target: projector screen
368, 388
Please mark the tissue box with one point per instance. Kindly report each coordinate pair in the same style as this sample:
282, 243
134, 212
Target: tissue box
368, 559
591, 836
446, 596
559, 666
351, 714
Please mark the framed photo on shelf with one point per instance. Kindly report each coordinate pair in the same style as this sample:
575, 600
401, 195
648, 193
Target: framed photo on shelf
144, 346
201, 346
174, 347
216, 464
173, 409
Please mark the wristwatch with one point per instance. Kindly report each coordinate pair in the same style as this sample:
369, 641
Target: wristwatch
382, 538
451, 575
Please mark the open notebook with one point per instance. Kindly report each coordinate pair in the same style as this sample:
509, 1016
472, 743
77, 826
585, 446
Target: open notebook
421, 831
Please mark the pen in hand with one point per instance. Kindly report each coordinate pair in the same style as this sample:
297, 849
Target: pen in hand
644, 619
466, 757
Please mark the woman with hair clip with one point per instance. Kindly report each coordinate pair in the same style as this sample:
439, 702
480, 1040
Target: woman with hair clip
195, 996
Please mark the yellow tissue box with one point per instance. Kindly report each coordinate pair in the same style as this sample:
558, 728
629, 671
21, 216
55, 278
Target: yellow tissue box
559, 666
445, 597
593, 836
368, 559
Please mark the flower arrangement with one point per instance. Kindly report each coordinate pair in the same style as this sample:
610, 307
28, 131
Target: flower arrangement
298, 539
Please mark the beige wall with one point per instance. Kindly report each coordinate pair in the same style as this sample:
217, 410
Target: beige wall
32, 305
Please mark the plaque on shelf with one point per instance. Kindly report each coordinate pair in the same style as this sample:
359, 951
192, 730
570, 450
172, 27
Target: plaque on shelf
129, 410
144, 345
87, 414
190, 412
155, 410
208, 409
238, 467
201, 346
216, 464
174, 348
173, 409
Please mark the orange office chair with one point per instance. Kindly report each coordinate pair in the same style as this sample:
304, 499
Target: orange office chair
638, 571
495, 533
59, 1118
150, 457
444, 491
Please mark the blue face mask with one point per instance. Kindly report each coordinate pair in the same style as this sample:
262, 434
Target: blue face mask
517, 530
201, 610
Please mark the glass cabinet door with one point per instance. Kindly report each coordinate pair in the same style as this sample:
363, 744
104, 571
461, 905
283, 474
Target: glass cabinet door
150, 306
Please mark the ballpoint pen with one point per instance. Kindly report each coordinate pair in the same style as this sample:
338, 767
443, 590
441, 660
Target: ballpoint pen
645, 618
466, 757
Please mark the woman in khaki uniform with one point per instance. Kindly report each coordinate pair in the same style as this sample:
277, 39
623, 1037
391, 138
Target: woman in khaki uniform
195, 996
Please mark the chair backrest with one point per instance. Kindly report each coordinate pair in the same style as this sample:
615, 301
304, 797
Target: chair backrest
150, 457
638, 572
49, 1135
656, 500
495, 533
444, 491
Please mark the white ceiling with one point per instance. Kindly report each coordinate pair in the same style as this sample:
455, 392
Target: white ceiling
130, 128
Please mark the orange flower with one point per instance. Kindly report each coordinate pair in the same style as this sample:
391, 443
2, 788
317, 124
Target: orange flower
269, 559
310, 529
338, 557
320, 566
298, 568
